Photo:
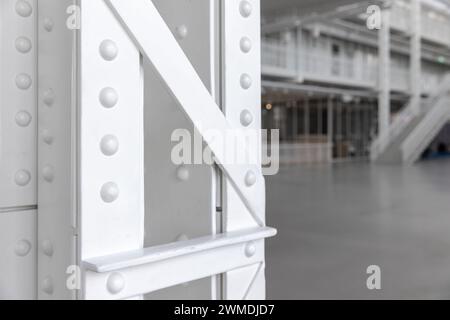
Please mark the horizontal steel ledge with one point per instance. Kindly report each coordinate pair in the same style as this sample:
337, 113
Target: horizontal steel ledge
174, 250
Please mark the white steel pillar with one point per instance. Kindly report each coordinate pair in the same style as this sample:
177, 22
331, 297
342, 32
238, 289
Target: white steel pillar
18, 190
57, 154
108, 186
384, 75
242, 107
299, 53
416, 54
111, 143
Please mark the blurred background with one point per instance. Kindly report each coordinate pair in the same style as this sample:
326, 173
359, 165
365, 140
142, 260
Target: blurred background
360, 93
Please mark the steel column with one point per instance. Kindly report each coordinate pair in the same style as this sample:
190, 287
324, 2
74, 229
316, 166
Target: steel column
384, 79
18, 190
416, 55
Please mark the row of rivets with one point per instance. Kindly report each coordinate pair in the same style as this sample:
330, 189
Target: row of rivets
182, 172
246, 117
109, 144
23, 118
48, 171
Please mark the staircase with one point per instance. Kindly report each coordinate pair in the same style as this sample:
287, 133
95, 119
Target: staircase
410, 133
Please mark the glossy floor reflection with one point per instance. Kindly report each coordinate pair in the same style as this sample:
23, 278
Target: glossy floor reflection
335, 221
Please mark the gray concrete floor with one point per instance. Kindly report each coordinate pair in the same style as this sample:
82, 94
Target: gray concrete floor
335, 221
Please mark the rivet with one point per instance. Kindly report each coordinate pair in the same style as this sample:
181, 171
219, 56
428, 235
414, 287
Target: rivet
47, 248
245, 9
23, 81
115, 283
48, 173
246, 118
109, 192
108, 50
182, 31
48, 24
47, 136
109, 145
23, 248
250, 249
183, 173
108, 97
23, 119
23, 44
47, 285
246, 45
23, 8
246, 81
49, 97
250, 179
22, 178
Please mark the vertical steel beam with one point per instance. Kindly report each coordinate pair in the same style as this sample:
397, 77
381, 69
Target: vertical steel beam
384, 75
111, 140
416, 54
18, 190
56, 150
241, 74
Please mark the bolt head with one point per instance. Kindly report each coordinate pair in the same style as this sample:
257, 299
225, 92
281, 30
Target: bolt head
47, 248
246, 81
182, 31
109, 145
246, 45
115, 283
108, 50
47, 285
49, 97
245, 8
23, 8
23, 81
23, 45
109, 192
23, 248
246, 118
250, 249
183, 173
48, 172
108, 98
48, 24
47, 136
23, 119
250, 179
22, 178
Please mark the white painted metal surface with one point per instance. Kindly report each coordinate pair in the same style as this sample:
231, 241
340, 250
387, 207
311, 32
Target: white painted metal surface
56, 150
18, 149
110, 95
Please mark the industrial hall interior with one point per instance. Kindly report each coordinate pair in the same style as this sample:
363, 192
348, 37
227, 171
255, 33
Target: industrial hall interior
224, 149
360, 93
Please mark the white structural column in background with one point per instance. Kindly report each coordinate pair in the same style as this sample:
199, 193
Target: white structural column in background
384, 81
242, 107
56, 151
416, 55
111, 168
18, 149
